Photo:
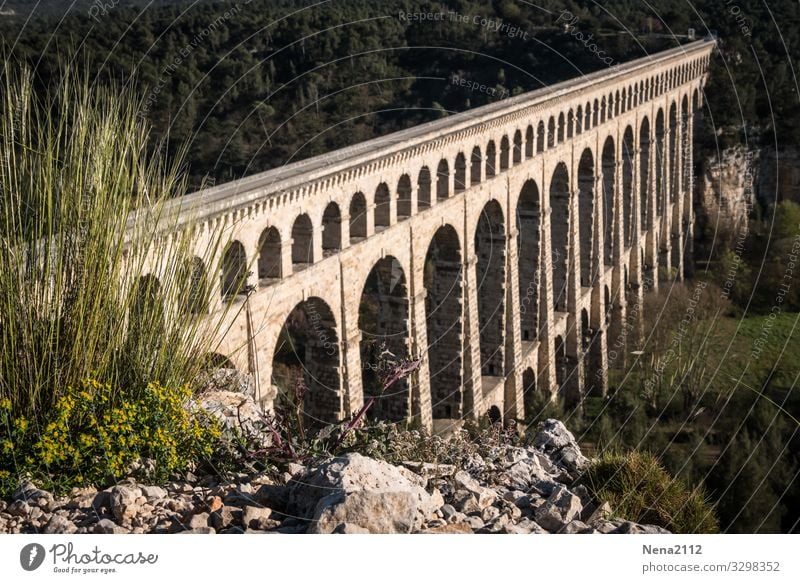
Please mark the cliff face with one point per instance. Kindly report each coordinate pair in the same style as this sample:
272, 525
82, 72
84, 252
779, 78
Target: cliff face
727, 188
731, 183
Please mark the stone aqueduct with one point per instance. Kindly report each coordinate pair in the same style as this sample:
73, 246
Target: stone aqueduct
508, 246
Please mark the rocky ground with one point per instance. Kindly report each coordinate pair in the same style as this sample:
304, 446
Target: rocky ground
529, 491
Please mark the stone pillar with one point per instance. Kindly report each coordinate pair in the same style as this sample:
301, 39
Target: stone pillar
635, 270
264, 396
316, 244
651, 242
420, 382
370, 218
598, 349
451, 178
618, 244
514, 407
473, 388
688, 203
286, 257
617, 329
351, 360
345, 239
392, 206
609, 326
573, 392
665, 259
353, 397
677, 209
598, 358
636, 195
490, 162
249, 240
546, 375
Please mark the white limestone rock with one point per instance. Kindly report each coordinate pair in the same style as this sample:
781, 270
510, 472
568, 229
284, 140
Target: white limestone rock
237, 413
365, 492
59, 524
561, 508
555, 440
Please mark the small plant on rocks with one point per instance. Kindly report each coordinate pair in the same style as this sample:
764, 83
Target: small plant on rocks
639, 489
94, 435
293, 439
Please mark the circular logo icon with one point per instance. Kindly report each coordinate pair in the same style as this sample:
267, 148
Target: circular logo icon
31, 556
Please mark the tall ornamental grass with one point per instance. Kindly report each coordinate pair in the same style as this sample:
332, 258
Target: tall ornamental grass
83, 211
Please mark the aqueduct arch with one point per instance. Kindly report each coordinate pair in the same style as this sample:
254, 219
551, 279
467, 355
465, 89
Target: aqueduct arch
444, 320
490, 267
308, 351
529, 215
504, 247
383, 322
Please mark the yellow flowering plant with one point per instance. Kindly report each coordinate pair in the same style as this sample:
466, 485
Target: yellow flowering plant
93, 436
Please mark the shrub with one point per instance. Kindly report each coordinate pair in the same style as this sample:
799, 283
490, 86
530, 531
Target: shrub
97, 280
395, 444
639, 489
94, 271
94, 436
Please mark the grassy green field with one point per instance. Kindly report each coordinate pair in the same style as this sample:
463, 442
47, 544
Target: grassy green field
751, 352
725, 415
780, 351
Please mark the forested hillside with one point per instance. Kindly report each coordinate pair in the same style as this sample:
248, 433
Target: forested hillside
254, 85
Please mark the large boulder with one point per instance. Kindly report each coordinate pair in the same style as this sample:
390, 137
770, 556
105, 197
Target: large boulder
483, 496
375, 512
534, 471
561, 508
122, 502
363, 492
555, 440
